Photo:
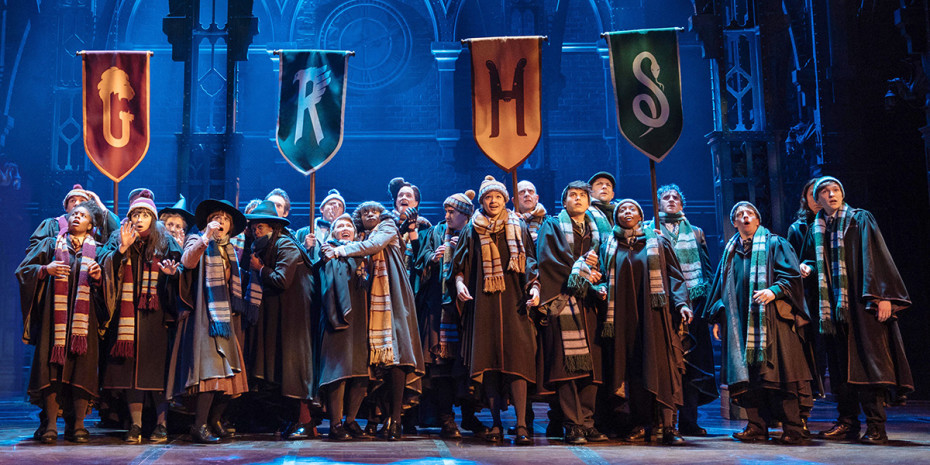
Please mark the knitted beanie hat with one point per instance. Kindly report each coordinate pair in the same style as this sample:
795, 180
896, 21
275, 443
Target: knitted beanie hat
617, 208
461, 202
333, 194
76, 191
142, 198
740, 205
490, 184
822, 182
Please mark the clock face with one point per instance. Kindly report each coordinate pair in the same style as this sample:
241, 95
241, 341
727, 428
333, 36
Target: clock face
379, 36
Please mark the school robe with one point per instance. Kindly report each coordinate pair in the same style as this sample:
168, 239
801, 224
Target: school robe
197, 358
283, 350
554, 263
430, 298
407, 351
645, 348
147, 369
344, 321
876, 350
498, 333
785, 363
37, 296
699, 350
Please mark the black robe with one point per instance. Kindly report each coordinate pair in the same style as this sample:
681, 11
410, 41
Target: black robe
430, 298
876, 350
785, 364
37, 297
147, 370
554, 261
646, 348
497, 331
343, 346
283, 346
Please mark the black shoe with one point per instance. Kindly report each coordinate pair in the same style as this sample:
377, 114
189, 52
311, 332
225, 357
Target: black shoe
477, 428
671, 437
78, 436
593, 435
793, 438
296, 432
522, 437
450, 431
639, 434
216, 427
691, 429
875, 435
43, 425
494, 435
159, 434
134, 435
371, 428
574, 435
805, 431
337, 432
356, 431
751, 434
201, 434
50, 436
393, 431
840, 432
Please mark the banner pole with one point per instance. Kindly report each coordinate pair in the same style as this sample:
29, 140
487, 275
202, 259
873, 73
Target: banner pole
237, 193
312, 198
655, 188
116, 198
516, 197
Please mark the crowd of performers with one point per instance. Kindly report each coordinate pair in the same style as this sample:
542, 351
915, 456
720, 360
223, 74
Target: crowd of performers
382, 317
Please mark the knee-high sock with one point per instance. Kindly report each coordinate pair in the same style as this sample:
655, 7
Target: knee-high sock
357, 391
220, 402
135, 399
398, 381
518, 391
303, 412
80, 410
51, 409
335, 401
161, 408
204, 402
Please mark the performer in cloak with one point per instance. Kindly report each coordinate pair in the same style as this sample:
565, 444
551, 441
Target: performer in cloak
567, 255
411, 225
603, 185
140, 263
206, 363
494, 268
643, 354
438, 316
280, 292
798, 237
63, 310
52, 227
345, 370
533, 212
757, 303
860, 294
690, 244
332, 206
177, 220
394, 344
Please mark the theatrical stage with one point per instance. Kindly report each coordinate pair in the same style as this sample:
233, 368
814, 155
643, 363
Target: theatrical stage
908, 430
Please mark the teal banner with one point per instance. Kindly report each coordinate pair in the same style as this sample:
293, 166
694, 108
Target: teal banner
647, 85
311, 110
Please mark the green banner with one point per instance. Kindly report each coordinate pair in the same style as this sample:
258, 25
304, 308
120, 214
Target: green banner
311, 109
647, 86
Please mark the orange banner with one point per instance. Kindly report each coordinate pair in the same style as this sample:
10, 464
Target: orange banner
505, 77
116, 110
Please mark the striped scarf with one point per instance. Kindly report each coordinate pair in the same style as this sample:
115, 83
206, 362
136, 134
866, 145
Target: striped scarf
576, 354
448, 315
148, 300
756, 339
657, 296
686, 248
380, 330
81, 313
534, 219
578, 279
490, 256
838, 276
217, 289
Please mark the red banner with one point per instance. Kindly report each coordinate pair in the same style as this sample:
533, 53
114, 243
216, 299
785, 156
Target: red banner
116, 110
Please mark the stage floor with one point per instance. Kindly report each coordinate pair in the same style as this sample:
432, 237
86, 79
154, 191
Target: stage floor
908, 429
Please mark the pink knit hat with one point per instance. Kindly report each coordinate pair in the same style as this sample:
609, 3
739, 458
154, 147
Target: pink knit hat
142, 198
